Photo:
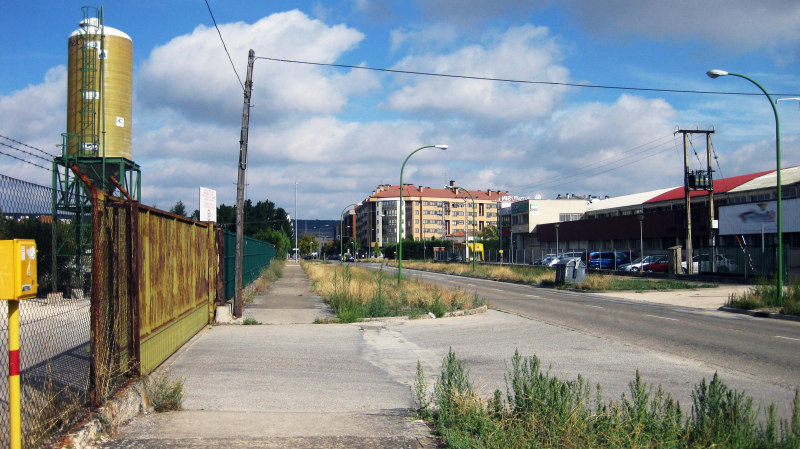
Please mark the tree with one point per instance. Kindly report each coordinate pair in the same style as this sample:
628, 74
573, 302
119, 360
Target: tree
178, 209
307, 244
278, 238
376, 252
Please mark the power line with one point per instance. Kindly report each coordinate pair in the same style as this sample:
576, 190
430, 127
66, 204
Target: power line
27, 162
612, 169
26, 145
582, 168
582, 171
223, 44
26, 152
507, 80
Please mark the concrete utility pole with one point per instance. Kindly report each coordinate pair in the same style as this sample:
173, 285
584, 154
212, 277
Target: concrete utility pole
248, 87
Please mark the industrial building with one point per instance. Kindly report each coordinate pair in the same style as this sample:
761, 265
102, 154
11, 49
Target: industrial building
650, 222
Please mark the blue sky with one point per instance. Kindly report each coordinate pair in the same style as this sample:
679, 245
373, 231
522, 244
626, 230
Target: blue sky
341, 132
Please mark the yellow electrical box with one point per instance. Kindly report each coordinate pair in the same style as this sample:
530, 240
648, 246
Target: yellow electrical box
18, 277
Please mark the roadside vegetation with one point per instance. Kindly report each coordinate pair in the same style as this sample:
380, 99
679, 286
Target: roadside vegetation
355, 293
268, 276
164, 392
546, 276
541, 410
764, 296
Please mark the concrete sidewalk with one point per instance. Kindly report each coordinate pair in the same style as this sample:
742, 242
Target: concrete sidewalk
284, 386
288, 301
700, 298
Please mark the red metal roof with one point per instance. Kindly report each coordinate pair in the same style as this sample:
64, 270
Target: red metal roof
720, 186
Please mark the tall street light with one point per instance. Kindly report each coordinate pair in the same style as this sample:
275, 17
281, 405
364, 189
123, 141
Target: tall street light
319, 234
472, 219
718, 73
641, 239
558, 249
341, 231
400, 222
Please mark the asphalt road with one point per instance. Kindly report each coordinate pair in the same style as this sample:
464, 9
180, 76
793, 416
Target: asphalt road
766, 349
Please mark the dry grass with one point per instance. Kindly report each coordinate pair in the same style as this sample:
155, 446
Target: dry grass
546, 276
355, 293
269, 275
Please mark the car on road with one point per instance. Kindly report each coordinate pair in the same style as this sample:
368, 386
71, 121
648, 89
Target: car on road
702, 263
639, 262
607, 260
349, 258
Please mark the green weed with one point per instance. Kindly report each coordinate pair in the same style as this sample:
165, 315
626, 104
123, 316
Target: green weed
165, 394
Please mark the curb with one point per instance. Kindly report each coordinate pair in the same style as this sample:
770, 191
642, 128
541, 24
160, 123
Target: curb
776, 316
481, 309
108, 419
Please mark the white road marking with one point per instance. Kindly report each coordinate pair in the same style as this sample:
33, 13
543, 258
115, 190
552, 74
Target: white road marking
530, 296
787, 338
596, 307
663, 317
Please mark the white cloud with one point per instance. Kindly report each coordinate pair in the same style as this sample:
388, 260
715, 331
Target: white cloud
525, 52
191, 74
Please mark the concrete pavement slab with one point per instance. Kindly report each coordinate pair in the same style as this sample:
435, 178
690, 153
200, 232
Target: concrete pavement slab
289, 300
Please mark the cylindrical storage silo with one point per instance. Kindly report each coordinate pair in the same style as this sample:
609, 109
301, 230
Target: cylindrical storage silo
99, 120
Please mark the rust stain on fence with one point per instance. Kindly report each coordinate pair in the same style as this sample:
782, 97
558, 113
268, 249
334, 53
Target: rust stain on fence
177, 282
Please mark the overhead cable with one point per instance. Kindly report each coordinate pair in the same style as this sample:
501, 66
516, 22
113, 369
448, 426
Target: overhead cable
508, 80
223, 44
26, 145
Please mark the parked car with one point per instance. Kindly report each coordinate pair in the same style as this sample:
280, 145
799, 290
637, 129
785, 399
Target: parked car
456, 258
349, 258
638, 263
658, 265
701, 263
545, 260
572, 255
607, 260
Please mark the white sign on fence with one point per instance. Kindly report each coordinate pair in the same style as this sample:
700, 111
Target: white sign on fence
752, 218
208, 205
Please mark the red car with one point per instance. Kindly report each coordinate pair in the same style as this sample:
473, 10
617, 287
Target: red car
660, 265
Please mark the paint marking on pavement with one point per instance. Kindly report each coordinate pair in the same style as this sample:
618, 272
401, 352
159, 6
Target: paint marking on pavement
663, 317
530, 296
787, 338
596, 307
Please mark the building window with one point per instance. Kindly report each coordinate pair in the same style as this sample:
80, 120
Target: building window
416, 212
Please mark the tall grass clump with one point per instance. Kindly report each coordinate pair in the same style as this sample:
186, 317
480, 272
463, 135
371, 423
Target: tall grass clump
164, 392
764, 295
541, 410
355, 293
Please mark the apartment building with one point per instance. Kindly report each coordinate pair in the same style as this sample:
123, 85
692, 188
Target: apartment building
429, 213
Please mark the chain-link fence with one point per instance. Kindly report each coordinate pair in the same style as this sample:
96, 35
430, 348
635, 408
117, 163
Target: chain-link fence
257, 256
54, 329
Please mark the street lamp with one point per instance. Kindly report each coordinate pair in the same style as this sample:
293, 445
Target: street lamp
718, 73
402, 208
341, 232
558, 250
472, 219
641, 239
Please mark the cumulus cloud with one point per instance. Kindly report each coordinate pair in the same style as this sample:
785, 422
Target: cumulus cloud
527, 52
191, 74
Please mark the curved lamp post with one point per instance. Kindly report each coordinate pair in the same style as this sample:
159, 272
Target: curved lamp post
341, 232
718, 73
473, 217
400, 222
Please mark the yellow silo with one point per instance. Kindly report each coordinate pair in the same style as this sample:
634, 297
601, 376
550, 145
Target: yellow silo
99, 120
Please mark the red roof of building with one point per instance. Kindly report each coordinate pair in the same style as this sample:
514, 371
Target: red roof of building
720, 186
420, 191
